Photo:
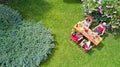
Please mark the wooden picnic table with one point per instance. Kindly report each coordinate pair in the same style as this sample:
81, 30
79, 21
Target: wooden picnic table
88, 33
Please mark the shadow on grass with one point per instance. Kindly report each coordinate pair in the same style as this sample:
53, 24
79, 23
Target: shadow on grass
55, 42
72, 1
100, 46
3, 1
116, 34
105, 35
90, 52
30, 9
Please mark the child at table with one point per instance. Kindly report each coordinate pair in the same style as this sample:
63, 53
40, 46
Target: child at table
100, 28
86, 44
87, 22
76, 36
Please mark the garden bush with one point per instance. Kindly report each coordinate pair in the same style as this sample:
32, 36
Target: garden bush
8, 17
25, 46
22, 43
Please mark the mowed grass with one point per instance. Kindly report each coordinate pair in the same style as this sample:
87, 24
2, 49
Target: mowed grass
60, 16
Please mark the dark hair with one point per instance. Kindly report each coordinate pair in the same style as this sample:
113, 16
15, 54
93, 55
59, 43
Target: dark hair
73, 34
84, 45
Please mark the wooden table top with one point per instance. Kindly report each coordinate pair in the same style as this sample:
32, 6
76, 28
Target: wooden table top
88, 33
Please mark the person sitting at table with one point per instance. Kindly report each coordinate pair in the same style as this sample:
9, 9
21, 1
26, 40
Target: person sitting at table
86, 44
100, 28
87, 22
76, 36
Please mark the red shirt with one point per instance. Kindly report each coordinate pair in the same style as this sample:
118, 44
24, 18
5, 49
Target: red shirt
75, 38
100, 28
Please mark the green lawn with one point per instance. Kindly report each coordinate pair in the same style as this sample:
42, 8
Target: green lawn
60, 16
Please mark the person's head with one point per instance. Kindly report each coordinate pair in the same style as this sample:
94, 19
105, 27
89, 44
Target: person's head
84, 44
88, 19
73, 34
103, 24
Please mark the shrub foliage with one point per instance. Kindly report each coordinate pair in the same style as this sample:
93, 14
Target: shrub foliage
25, 44
8, 17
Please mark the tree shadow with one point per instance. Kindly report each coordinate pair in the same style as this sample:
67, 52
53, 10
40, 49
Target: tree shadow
116, 34
100, 46
55, 42
30, 9
72, 1
3, 1
90, 52
105, 35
